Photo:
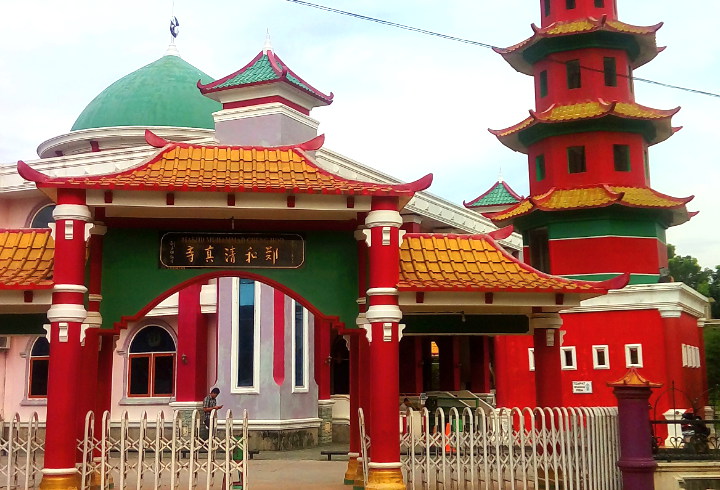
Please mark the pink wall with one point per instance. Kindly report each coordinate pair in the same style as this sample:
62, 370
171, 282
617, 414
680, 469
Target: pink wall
16, 213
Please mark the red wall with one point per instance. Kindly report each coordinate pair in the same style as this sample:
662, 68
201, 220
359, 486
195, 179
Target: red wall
583, 8
609, 254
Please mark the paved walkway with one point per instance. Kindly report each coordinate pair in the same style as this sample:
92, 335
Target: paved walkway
302, 470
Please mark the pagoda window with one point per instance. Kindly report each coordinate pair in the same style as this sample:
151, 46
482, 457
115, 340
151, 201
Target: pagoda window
568, 358
151, 360
246, 336
539, 249
573, 74
610, 69
546, 7
540, 167
646, 165
38, 368
543, 83
599, 3
601, 359
300, 348
621, 155
570, 4
576, 159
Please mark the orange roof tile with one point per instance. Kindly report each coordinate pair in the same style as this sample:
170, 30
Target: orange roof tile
596, 197
449, 262
587, 110
644, 37
26, 259
187, 167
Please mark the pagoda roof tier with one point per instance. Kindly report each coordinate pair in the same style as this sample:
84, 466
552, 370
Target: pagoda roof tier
639, 42
476, 263
265, 68
210, 168
26, 259
655, 124
499, 194
597, 196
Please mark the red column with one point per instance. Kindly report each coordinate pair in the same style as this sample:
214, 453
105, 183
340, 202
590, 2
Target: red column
360, 393
104, 377
192, 347
480, 364
548, 373
322, 358
354, 449
449, 363
383, 316
66, 315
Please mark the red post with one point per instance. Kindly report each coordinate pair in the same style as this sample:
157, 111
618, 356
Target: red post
359, 370
383, 316
322, 358
480, 364
66, 316
192, 347
548, 372
104, 378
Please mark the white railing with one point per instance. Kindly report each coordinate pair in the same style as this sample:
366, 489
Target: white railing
136, 454
551, 448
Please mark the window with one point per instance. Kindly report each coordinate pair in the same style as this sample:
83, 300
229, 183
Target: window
568, 360
599, 3
601, 359
543, 83
546, 7
151, 360
633, 355
573, 74
43, 217
685, 355
569, 4
246, 336
610, 69
531, 359
646, 165
539, 250
540, 167
39, 364
576, 159
621, 155
300, 348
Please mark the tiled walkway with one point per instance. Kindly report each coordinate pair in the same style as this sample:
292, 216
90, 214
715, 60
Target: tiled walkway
304, 469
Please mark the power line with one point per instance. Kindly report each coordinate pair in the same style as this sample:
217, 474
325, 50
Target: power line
481, 44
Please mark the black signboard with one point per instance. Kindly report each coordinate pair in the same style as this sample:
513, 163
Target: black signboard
231, 250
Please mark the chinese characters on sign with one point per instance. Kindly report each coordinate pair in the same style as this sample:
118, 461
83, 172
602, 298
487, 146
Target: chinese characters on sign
231, 250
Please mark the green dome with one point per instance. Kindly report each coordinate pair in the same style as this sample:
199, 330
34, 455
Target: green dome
163, 93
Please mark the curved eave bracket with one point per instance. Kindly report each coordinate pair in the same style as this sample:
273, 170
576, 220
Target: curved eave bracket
154, 140
501, 233
29, 173
617, 282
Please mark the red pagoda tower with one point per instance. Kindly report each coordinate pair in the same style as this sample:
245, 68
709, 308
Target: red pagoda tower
591, 214
587, 145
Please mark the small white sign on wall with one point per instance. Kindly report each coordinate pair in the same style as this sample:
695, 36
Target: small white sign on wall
582, 387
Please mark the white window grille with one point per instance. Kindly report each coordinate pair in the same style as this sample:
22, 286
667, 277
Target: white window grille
601, 357
633, 355
568, 358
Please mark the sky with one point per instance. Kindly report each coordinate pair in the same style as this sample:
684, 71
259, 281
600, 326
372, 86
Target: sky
405, 103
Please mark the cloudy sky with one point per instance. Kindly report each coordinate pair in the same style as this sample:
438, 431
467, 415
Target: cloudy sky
405, 103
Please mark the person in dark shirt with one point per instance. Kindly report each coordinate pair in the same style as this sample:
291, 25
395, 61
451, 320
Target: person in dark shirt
210, 404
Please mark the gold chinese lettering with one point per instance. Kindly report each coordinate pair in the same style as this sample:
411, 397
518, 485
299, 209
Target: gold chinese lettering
209, 257
230, 255
250, 254
190, 253
271, 254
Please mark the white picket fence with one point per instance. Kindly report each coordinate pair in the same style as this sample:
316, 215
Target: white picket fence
137, 454
536, 448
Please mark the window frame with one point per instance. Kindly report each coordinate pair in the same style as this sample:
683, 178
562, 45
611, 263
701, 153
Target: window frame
543, 84
531, 358
151, 366
628, 355
610, 71
540, 168
621, 158
573, 74
570, 4
305, 387
606, 352
254, 389
539, 243
572, 159
31, 361
563, 357
546, 8
600, 4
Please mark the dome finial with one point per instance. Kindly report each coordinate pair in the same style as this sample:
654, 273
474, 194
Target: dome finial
268, 45
500, 176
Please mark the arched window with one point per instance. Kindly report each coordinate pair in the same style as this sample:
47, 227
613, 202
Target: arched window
151, 365
39, 362
43, 217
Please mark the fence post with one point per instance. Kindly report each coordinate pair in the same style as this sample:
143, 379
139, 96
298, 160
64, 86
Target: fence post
636, 460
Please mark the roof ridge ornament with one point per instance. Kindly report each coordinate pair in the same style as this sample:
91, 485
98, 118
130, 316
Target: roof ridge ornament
268, 45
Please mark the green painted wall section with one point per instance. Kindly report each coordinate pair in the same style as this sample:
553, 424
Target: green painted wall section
612, 220
598, 39
471, 324
26, 324
132, 277
539, 132
634, 278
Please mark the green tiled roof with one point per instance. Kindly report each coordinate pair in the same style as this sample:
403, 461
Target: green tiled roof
499, 194
260, 71
163, 93
265, 67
